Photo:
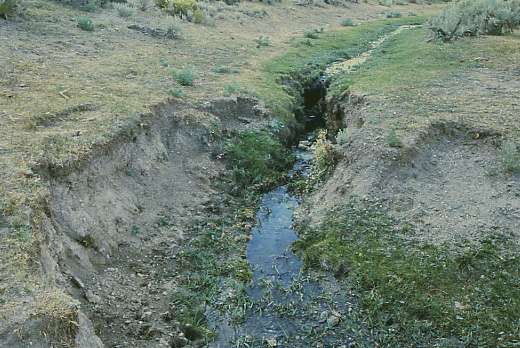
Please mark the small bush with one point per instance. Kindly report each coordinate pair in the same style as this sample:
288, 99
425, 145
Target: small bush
85, 23
262, 41
184, 77
7, 8
394, 14
142, 5
313, 34
173, 27
235, 88
222, 70
387, 3
124, 11
508, 156
179, 7
348, 22
175, 92
393, 139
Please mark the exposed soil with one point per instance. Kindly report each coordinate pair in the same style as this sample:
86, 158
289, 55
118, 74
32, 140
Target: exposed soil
447, 181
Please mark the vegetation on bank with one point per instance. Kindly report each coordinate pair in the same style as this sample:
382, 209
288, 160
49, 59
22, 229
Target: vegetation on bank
415, 294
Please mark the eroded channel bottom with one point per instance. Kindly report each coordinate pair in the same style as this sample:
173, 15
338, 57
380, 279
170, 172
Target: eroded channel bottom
284, 307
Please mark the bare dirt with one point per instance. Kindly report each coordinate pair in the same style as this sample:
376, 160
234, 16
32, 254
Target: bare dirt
447, 181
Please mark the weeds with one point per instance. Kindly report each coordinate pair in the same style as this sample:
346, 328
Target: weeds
509, 157
348, 22
394, 14
7, 8
177, 93
84, 23
184, 77
313, 34
423, 293
262, 41
257, 158
231, 88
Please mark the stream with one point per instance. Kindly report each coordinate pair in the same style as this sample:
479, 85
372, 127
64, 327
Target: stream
287, 307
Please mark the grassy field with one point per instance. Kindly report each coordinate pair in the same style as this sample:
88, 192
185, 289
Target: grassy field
64, 89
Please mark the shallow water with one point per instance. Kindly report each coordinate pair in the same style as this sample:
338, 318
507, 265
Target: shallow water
286, 307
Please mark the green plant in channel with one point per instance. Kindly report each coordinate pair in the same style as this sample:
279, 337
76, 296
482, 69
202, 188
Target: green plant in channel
257, 158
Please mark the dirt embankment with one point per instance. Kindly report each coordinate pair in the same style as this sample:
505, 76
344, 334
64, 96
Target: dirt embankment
446, 181
117, 219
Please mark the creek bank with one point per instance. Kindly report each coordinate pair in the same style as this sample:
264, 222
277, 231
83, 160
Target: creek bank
117, 220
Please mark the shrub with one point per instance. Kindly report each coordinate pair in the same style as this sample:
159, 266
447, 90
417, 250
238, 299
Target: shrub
262, 41
174, 28
348, 22
313, 34
85, 23
508, 156
142, 5
393, 139
124, 11
471, 17
7, 8
184, 77
394, 14
178, 7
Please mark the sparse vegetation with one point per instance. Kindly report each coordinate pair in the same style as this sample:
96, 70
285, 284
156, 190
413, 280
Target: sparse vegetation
394, 14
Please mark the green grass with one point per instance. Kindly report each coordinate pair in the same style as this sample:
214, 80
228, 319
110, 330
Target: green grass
414, 294
258, 159
304, 64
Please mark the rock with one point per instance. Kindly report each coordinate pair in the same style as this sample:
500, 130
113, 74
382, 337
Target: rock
272, 342
77, 282
179, 342
86, 338
92, 298
332, 321
323, 317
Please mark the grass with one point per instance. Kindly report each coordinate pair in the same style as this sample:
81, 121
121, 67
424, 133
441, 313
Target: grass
258, 159
419, 294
